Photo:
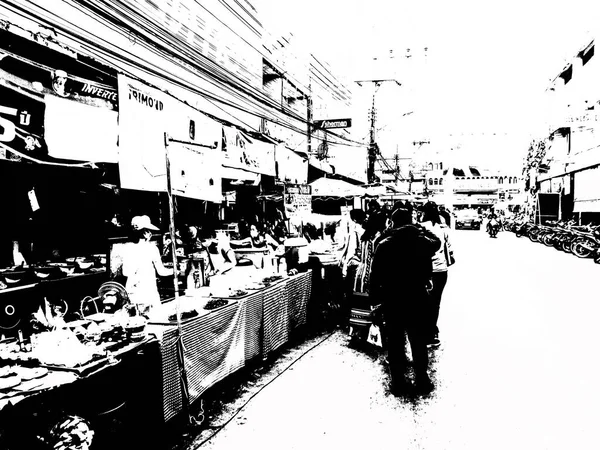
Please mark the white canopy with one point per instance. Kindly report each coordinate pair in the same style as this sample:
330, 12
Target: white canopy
329, 187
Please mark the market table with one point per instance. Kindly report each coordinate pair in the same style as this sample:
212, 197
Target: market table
127, 383
58, 376
222, 341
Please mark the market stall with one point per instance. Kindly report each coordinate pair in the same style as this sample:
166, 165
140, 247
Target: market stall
227, 332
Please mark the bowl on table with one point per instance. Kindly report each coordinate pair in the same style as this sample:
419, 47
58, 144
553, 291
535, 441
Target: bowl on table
47, 272
84, 264
14, 276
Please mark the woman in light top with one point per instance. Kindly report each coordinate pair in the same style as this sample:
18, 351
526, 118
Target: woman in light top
432, 221
141, 263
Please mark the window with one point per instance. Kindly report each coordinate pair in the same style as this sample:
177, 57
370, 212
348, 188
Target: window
441, 180
458, 172
586, 55
441, 166
474, 171
430, 166
431, 182
435, 181
500, 180
567, 74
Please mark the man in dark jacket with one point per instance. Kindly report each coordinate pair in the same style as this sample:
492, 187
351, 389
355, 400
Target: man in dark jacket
400, 276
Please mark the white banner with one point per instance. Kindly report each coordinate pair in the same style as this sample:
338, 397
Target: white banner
244, 152
145, 115
291, 167
80, 132
587, 185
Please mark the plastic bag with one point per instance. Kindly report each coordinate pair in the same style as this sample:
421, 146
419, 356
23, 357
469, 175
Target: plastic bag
374, 336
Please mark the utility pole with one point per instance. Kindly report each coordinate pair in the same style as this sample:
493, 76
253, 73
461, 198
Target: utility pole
373, 147
309, 118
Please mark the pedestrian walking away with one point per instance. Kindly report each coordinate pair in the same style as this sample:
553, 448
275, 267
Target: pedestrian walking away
400, 274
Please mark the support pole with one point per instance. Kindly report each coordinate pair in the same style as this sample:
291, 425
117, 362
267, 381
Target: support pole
185, 397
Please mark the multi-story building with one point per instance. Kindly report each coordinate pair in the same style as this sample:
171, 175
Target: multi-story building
565, 163
459, 187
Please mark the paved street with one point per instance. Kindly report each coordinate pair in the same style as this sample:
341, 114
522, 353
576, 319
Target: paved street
518, 367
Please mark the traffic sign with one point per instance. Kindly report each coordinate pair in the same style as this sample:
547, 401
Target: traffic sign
334, 123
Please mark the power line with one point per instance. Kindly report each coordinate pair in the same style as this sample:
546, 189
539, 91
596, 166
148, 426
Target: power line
109, 57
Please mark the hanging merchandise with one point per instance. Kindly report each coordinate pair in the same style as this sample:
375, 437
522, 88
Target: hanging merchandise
145, 115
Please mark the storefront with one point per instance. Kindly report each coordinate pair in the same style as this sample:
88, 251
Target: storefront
587, 194
74, 177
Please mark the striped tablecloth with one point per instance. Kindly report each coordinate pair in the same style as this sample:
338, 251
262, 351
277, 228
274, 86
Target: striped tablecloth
221, 342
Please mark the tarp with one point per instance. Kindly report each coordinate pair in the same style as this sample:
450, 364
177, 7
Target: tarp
240, 151
291, 167
321, 165
329, 187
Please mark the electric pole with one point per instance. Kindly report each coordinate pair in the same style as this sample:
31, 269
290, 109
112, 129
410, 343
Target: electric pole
309, 118
373, 147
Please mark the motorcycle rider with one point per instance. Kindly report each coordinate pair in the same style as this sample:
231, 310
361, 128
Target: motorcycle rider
493, 223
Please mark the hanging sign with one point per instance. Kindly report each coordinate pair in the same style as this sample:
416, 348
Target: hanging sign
297, 200
145, 115
332, 123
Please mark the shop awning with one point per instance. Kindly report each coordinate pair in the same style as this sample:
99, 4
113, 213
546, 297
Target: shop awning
230, 173
321, 165
329, 187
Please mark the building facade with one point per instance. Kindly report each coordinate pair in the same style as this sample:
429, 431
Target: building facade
566, 161
470, 187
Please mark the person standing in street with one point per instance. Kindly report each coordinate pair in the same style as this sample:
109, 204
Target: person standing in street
351, 257
400, 275
432, 221
361, 303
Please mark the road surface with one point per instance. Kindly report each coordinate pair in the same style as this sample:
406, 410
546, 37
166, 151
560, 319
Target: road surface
518, 367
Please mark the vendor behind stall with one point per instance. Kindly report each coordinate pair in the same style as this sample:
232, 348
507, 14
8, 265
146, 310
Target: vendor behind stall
222, 256
141, 263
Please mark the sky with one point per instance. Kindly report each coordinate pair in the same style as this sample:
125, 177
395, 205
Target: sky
477, 88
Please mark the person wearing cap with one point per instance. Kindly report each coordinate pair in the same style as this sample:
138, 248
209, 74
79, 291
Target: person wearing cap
141, 263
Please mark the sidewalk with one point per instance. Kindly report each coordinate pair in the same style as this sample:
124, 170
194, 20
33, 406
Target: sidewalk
517, 369
332, 397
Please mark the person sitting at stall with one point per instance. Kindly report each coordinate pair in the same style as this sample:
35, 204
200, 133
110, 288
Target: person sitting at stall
141, 263
256, 240
222, 255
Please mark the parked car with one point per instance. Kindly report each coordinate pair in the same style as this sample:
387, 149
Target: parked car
467, 219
